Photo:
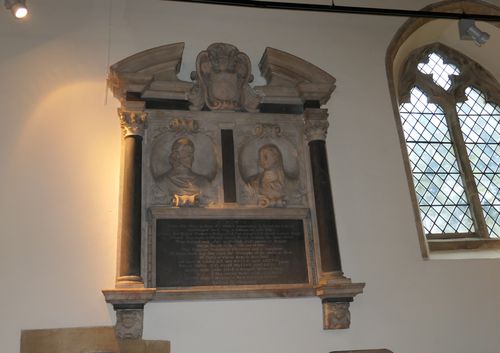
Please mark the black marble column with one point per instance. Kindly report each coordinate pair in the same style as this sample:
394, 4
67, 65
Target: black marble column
327, 230
129, 266
316, 129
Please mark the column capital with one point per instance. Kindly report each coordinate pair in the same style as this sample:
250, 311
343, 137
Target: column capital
132, 123
316, 124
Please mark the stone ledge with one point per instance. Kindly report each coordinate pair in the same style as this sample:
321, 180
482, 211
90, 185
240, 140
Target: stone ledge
85, 339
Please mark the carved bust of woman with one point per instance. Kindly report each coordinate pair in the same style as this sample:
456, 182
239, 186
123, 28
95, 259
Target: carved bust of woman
270, 182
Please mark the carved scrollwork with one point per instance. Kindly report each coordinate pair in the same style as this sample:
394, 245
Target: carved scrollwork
132, 122
184, 125
222, 78
178, 126
267, 130
316, 124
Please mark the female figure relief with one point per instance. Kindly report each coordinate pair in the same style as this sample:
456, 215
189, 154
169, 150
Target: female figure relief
270, 182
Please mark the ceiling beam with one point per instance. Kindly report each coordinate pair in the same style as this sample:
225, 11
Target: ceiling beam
346, 9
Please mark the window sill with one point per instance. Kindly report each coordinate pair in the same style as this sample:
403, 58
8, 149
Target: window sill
464, 249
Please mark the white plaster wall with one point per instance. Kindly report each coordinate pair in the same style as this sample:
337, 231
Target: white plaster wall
59, 158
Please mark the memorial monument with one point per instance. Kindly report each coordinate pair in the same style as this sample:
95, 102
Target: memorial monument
225, 186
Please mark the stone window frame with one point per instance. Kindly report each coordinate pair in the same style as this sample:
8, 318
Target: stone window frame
471, 75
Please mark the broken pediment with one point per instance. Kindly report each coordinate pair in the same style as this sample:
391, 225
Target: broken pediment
290, 78
221, 80
150, 74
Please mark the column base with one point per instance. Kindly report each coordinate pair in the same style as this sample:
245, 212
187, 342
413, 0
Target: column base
336, 277
129, 282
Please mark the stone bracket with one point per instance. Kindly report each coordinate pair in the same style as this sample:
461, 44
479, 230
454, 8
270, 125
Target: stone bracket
335, 292
336, 297
129, 307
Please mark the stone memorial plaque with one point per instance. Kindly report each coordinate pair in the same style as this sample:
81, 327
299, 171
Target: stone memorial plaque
225, 190
228, 252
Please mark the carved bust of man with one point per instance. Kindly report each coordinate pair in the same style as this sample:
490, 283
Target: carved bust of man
181, 180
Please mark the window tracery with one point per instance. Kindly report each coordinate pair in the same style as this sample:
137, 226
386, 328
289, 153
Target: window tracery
450, 121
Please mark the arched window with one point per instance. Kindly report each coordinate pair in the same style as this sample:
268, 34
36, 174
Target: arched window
450, 120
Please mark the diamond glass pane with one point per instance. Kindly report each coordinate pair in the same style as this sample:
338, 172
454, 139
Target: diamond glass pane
439, 189
485, 158
492, 215
423, 121
480, 124
440, 71
432, 157
446, 219
438, 184
480, 120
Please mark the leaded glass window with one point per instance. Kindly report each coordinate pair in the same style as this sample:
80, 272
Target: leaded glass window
480, 125
450, 120
440, 192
